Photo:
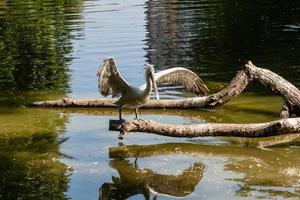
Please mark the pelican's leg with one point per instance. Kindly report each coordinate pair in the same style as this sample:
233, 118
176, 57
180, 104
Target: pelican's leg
122, 133
135, 163
136, 113
120, 115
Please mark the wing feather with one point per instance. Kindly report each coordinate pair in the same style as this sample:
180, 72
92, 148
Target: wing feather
110, 81
184, 77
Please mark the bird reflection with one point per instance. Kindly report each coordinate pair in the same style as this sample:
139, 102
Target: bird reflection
272, 173
133, 181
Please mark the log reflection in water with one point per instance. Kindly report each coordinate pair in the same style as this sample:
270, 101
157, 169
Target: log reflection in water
273, 168
132, 181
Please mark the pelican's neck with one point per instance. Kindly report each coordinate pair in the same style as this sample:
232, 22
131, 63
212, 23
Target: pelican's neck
148, 84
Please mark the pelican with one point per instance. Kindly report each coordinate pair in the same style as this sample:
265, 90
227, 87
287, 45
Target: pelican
110, 82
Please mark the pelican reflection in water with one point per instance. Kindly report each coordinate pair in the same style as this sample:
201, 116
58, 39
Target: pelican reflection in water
133, 181
110, 82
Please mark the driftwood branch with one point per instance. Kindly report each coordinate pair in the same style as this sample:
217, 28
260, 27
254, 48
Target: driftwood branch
273, 128
249, 73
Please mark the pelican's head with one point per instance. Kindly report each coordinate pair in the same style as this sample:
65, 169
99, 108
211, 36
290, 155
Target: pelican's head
149, 69
109, 60
150, 73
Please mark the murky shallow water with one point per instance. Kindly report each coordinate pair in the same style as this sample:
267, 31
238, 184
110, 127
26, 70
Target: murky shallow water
52, 49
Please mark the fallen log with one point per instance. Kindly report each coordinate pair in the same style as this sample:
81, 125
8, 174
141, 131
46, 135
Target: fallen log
249, 73
273, 128
195, 102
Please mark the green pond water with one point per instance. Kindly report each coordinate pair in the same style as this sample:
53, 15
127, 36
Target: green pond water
52, 50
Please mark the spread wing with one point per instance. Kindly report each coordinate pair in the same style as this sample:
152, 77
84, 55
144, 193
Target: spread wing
184, 77
110, 81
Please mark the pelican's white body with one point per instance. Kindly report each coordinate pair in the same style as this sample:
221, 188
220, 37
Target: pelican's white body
110, 82
135, 97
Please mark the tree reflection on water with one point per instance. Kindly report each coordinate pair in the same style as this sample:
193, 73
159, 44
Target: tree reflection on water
29, 152
215, 38
35, 43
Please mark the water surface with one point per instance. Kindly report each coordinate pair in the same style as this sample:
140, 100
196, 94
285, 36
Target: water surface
52, 49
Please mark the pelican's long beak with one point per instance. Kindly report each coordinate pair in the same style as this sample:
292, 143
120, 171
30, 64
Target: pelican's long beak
154, 85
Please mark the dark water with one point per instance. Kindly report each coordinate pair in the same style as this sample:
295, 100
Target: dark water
52, 49
215, 38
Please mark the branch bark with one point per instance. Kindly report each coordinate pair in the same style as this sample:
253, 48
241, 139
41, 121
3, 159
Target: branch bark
273, 128
249, 73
